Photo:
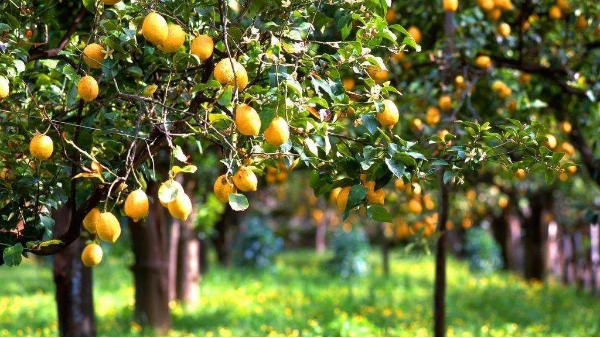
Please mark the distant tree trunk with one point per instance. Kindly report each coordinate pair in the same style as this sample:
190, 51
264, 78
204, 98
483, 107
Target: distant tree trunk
595, 257
439, 293
222, 240
501, 231
385, 255
174, 237
320, 244
188, 254
74, 293
203, 256
151, 269
536, 235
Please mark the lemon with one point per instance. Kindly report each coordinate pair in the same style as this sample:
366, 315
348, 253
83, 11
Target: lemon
505, 92
460, 82
223, 188
483, 62
450, 5
93, 55
525, 78
342, 199
90, 220
348, 83
175, 39
415, 207
433, 116
247, 120
445, 102
245, 179
91, 255
581, 23
278, 132
4, 87
155, 28
415, 32
520, 174
41, 147
495, 14
224, 73
550, 141
108, 227
180, 207
167, 192
566, 127
555, 13
374, 196
202, 47
110, 2
136, 205
486, 5
389, 116
504, 29
87, 88
498, 86
377, 74
390, 15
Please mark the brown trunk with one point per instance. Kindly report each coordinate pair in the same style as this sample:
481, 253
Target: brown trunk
320, 245
151, 269
385, 255
595, 256
222, 238
500, 229
439, 293
536, 235
203, 256
74, 296
188, 269
174, 236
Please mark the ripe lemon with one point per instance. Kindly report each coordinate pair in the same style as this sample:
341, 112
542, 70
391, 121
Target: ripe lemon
390, 15
505, 92
224, 73
483, 62
486, 5
445, 102
520, 174
223, 188
91, 255
416, 125
415, 32
108, 227
110, 2
348, 83
342, 199
374, 196
180, 207
498, 86
563, 4
415, 206
494, 15
389, 116
93, 55
245, 179
155, 28
555, 13
202, 47
581, 23
512, 106
504, 29
278, 132
460, 82
4, 87
41, 147
525, 78
87, 88
90, 220
247, 120
136, 205
566, 127
450, 5
433, 116
174, 41
377, 74
550, 141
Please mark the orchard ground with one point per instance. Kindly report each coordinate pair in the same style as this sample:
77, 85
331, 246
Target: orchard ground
301, 299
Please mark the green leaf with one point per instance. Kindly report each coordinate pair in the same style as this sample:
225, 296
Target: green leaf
179, 155
370, 123
448, 176
238, 202
90, 5
379, 213
13, 255
356, 195
397, 168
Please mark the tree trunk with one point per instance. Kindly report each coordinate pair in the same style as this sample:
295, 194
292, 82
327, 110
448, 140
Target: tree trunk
439, 294
385, 251
222, 240
536, 235
188, 269
320, 233
595, 257
74, 295
203, 256
501, 231
151, 269
174, 238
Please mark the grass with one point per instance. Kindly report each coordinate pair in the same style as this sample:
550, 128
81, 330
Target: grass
299, 298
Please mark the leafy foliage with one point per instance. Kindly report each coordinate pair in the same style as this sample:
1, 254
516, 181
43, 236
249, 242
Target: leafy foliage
256, 245
482, 251
350, 251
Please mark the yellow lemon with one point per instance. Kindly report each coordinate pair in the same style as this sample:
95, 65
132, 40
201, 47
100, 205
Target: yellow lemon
486, 5
4, 87
415, 32
433, 116
445, 102
180, 207
136, 205
450, 5
550, 141
278, 132
202, 47
87, 88
415, 206
155, 28
224, 73
90, 220
460, 82
389, 116
525, 78
91, 255
223, 188
41, 147
245, 179
174, 41
247, 120
555, 13
581, 23
566, 127
108, 227
504, 29
342, 199
483, 61
374, 196
520, 174
93, 55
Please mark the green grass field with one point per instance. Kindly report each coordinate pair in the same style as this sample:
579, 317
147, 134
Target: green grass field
301, 299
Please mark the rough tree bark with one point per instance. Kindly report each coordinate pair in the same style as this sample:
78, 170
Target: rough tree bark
501, 231
187, 289
536, 234
151, 269
203, 256
222, 239
74, 296
439, 294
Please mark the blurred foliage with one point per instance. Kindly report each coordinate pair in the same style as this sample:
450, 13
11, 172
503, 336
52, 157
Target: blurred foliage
350, 250
256, 245
482, 251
